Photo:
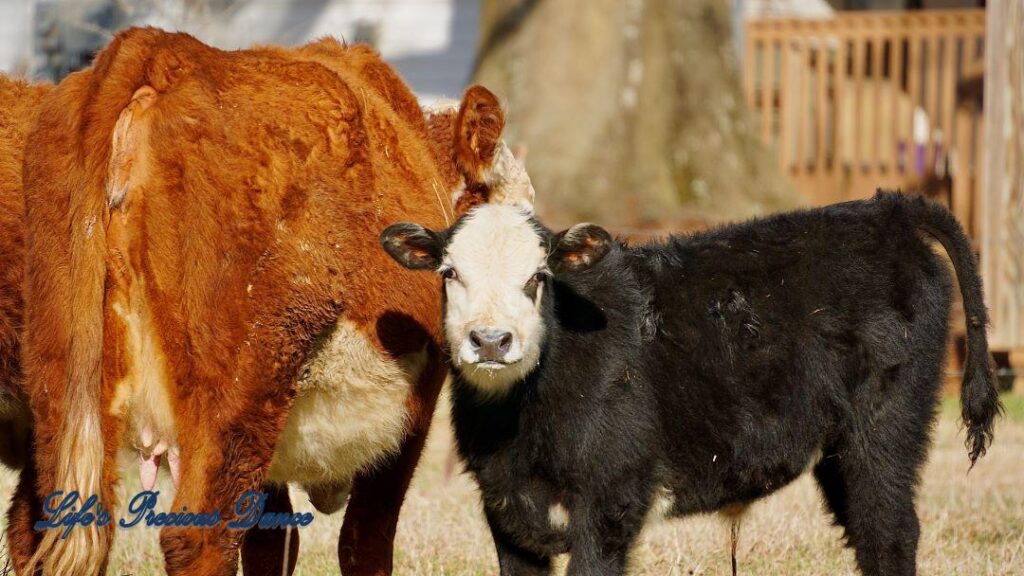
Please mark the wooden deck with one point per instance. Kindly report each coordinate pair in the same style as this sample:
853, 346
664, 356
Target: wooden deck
867, 100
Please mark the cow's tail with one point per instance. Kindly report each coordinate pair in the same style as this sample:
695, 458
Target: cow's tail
79, 446
979, 398
73, 306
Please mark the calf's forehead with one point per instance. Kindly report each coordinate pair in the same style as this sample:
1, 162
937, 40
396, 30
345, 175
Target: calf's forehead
496, 241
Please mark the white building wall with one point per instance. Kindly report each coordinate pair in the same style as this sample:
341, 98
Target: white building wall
15, 41
432, 43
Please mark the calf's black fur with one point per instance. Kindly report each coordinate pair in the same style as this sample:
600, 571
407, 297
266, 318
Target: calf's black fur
715, 368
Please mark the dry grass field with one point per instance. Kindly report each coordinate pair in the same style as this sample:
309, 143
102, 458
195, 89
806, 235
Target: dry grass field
972, 524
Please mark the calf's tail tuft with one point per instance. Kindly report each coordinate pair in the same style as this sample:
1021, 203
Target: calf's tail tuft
979, 398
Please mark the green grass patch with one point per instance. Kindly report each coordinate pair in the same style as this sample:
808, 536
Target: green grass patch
1013, 405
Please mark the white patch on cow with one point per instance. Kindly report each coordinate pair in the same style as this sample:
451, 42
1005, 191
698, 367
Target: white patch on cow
508, 181
495, 253
143, 394
349, 414
328, 498
440, 106
459, 190
558, 517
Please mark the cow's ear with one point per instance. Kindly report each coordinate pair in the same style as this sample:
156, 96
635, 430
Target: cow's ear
413, 246
579, 248
478, 129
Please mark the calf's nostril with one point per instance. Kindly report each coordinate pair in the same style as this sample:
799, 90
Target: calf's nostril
505, 342
475, 339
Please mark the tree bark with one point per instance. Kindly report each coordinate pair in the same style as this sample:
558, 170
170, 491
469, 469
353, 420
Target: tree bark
631, 110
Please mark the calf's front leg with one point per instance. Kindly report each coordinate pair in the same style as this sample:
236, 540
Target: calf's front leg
514, 560
600, 542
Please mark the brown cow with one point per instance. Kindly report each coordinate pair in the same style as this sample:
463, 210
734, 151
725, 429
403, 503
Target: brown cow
19, 105
203, 281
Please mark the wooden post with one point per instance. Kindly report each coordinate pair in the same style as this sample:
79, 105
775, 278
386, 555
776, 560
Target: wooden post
749, 68
839, 112
802, 106
949, 91
788, 113
1002, 230
875, 118
914, 91
767, 89
895, 131
821, 104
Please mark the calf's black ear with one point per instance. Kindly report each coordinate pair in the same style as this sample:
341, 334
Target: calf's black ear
579, 248
412, 246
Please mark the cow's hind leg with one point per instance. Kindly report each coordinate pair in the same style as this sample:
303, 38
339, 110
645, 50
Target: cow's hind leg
226, 453
223, 466
366, 544
22, 515
265, 551
231, 422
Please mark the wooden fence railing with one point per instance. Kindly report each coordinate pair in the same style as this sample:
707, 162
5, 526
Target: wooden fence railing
1002, 238
869, 99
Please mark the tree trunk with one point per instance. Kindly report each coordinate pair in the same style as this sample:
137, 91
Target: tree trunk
631, 110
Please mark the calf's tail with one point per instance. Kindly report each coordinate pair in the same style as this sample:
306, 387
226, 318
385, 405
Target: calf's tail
979, 398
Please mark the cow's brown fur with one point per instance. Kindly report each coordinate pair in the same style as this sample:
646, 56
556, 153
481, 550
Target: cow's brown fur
19, 104
197, 219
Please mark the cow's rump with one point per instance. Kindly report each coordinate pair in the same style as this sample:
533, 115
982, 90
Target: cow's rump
209, 223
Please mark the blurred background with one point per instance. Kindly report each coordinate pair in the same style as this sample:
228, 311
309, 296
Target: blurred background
652, 116
657, 116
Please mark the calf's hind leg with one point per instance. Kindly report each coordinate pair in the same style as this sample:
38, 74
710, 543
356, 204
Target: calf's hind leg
876, 472
882, 525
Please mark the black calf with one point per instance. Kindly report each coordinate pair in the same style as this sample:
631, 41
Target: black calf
713, 369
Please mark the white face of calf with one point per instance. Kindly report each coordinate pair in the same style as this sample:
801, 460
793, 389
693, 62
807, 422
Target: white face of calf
494, 269
497, 263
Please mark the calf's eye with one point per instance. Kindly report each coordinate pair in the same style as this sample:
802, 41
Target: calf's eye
449, 274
